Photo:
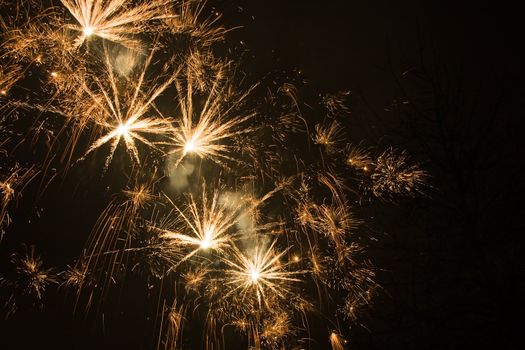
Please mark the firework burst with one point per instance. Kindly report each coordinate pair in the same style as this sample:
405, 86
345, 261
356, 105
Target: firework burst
393, 176
247, 229
122, 114
114, 20
29, 281
258, 271
204, 226
208, 131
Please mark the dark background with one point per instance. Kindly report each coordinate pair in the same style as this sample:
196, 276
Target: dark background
450, 265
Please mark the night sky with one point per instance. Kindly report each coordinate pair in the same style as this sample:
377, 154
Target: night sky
442, 80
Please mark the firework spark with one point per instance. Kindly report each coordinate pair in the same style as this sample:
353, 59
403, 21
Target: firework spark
336, 341
358, 158
30, 280
336, 103
8, 77
202, 32
10, 188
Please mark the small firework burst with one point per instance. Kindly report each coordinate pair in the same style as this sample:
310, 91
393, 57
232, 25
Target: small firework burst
201, 32
33, 278
77, 276
393, 176
29, 282
329, 135
336, 221
336, 104
195, 278
275, 329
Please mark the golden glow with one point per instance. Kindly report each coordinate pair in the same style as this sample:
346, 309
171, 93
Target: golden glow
189, 147
254, 274
123, 129
88, 31
207, 241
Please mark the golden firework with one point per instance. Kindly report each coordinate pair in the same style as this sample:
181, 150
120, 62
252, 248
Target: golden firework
259, 271
208, 131
122, 114
207, 225
114, 20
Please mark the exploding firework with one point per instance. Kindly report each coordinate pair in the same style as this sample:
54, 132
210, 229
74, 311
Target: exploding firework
208, 225
29, 280
394, 175
245, 228
114, 20
258, 272
122, 114
207, 131
329, 135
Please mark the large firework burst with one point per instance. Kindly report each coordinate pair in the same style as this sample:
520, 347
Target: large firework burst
258, 248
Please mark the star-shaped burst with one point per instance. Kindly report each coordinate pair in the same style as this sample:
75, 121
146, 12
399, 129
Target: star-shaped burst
114, 20
122, 114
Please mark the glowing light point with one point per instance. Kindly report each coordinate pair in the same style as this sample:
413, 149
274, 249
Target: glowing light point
207, 241
189, 147
254, 274
123, 129
88, 31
